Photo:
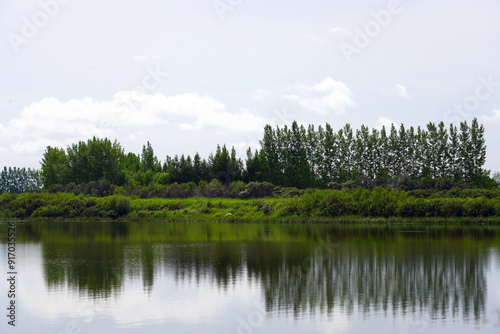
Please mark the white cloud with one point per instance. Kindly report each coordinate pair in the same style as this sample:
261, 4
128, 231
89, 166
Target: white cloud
57, 123
494, 118
401, 91
324, 97
340, 31
140, 58
260, 94
384, 121
315, 39
244, 121
32, 146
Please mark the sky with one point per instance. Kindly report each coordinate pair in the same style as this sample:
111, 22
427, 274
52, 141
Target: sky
188, 75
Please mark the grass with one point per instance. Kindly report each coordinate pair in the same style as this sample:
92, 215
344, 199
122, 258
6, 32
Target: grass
324, 206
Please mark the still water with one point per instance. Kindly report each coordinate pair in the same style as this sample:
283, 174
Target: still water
252, 278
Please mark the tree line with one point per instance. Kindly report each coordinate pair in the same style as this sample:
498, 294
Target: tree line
18, 180
302, 157
295, 156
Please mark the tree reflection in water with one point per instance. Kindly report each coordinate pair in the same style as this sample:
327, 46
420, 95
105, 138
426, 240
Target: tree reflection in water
300, 268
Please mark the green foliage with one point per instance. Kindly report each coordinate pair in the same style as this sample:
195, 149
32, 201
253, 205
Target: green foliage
18, 180
383, 202
257, 190
295, 157
311, 204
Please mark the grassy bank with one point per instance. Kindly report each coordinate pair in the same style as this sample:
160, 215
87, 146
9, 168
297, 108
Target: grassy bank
360, 205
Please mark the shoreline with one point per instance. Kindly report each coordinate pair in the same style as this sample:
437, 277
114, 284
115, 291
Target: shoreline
343, 220
379, 206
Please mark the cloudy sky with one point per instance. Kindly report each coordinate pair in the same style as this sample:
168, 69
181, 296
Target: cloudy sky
187, 75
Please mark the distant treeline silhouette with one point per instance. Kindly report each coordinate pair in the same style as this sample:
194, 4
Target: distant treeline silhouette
295, 156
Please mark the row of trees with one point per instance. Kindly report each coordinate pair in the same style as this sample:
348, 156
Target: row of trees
18, 180
293, 156
100, 159
302, 157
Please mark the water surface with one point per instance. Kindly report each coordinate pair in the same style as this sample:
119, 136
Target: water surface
253, 278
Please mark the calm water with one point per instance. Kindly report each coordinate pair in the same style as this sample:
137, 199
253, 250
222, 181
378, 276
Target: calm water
252, 278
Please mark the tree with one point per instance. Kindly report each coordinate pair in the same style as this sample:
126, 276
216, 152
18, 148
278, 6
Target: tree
220, 165
453, 154
477, 151
18, 180
272, 159
54, 166
464, 153
346, 149
148, 159
328, 170
296, 167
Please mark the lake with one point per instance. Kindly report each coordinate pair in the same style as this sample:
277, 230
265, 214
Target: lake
144, 277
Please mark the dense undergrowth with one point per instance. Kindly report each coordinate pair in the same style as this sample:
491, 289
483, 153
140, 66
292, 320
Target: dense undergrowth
255, 202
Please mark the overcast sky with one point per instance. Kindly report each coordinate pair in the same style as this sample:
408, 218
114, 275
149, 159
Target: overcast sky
189, 74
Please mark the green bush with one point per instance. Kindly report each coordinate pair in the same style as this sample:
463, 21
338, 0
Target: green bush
49, 211
267, 209
433, 207
382, 202
452, 207
412, 207
257, 190
478, 207
93, 211
214, 189
338, 203
122, 206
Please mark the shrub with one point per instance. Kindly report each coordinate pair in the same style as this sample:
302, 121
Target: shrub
93, 211
433, 207
444, 184
382, 202
214, 189
404, 182
452, 207
236, 187
257, 190
122, 206
287, 192
49, 211
56, 188
476, 207
412, 207
336, 204
21, 213
334, 186
267, 208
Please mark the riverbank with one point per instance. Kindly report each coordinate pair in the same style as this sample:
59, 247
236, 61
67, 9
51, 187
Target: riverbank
379, 205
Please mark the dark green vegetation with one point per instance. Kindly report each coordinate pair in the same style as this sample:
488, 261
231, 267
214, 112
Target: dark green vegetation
428, 269
292, 157
305, 205
400, 173
18, 180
